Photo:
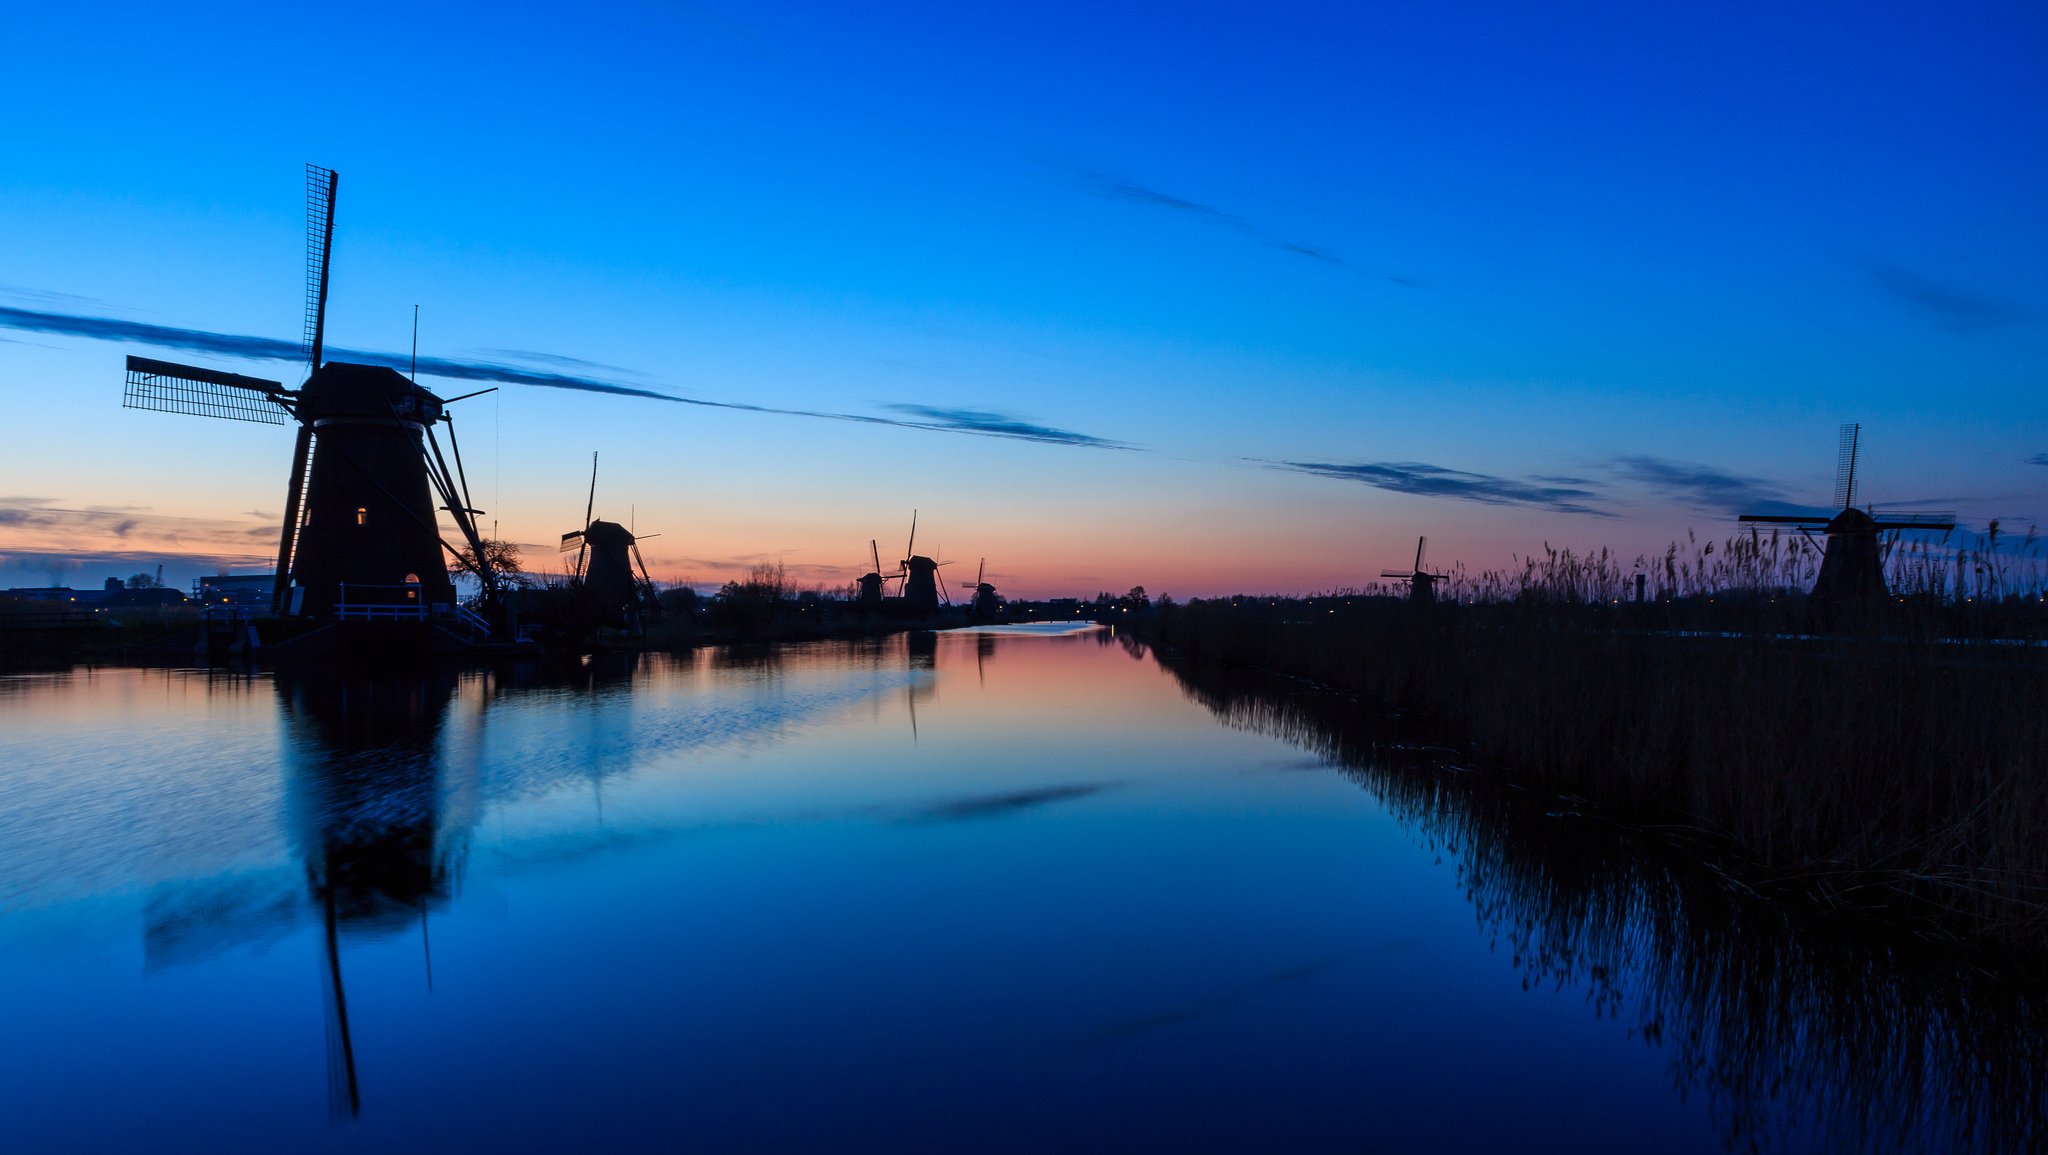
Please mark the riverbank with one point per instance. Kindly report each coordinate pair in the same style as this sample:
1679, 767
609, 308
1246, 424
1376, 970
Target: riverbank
1894, 772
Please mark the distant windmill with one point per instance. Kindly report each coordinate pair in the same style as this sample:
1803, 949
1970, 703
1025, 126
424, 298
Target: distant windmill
987, 605
610, 574
1850, 567
359, 514
1421, 583
922, 589
873, 583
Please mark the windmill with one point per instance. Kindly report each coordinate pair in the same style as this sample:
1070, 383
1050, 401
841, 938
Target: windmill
1421, 582
609, 570
360, 537
1850, 566
872, 583
921, 586
987, 605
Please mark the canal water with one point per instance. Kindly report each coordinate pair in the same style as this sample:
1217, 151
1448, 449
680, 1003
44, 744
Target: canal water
1000, 890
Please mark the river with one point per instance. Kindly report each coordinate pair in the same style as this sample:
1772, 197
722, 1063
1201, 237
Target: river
998, 890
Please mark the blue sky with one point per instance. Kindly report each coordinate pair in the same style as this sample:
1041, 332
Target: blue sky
1329, 277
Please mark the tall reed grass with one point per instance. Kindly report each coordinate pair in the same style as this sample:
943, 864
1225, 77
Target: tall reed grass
1792, 1028
1890, 755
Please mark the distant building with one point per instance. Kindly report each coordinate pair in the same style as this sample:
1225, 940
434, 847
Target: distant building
59, 594
248, 589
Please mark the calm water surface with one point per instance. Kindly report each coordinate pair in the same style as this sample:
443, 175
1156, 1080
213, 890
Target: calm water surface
973, 891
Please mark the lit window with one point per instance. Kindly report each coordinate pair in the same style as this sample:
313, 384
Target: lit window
362, 514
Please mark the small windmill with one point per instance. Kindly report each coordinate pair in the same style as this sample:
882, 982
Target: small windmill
922, 589
1421, 582
610, 572
1850, 565
360, 507
987, 605
873, 583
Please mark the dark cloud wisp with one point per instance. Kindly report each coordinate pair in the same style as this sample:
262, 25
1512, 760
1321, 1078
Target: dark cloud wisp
1951, 306
1117, 188
271, 349
1421, 480
1701, 487
998, 425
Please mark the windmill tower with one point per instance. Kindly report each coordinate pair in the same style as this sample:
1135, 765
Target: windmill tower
987, 605
1850, 565
1421, 582
609, 570
922, 589
360, 530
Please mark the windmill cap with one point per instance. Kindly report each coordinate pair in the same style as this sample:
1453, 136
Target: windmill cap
608, 533
342, 389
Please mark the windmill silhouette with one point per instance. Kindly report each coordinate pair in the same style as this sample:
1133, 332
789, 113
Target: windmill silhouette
987, 605
872, 584
360, 531
610, 573
1421, 583
1850, 565
922, 589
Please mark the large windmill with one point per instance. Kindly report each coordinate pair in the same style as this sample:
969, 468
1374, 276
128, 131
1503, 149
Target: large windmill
1850, 566
1421, 582
360, 537
609, 569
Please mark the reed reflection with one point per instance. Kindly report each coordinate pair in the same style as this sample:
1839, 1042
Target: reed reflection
1799, 1031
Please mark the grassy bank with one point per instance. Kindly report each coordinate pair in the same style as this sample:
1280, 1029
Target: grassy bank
1877, 756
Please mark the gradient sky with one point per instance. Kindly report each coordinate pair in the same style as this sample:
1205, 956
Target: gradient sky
1204, 298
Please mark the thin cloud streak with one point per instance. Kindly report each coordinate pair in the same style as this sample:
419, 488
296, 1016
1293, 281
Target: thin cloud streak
271, 349
1116, 188
1701, 487
1422, 480
1957, 309
999, 425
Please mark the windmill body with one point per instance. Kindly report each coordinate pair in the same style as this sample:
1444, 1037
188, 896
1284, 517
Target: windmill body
920, 586
368, 534
1852, 565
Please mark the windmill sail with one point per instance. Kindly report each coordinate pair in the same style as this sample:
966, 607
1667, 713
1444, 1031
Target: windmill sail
167, 387
1845, 465
321, 184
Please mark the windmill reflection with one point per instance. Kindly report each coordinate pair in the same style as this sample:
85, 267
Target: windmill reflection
364, 792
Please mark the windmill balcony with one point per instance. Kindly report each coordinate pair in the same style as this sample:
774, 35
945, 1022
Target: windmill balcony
382, 603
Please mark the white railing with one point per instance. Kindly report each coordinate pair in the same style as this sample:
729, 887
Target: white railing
343, 611
469, 618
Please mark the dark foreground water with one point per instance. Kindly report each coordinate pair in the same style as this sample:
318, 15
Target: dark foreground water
979, 891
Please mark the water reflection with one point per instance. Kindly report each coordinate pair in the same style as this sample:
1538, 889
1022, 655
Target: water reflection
1796, 1030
